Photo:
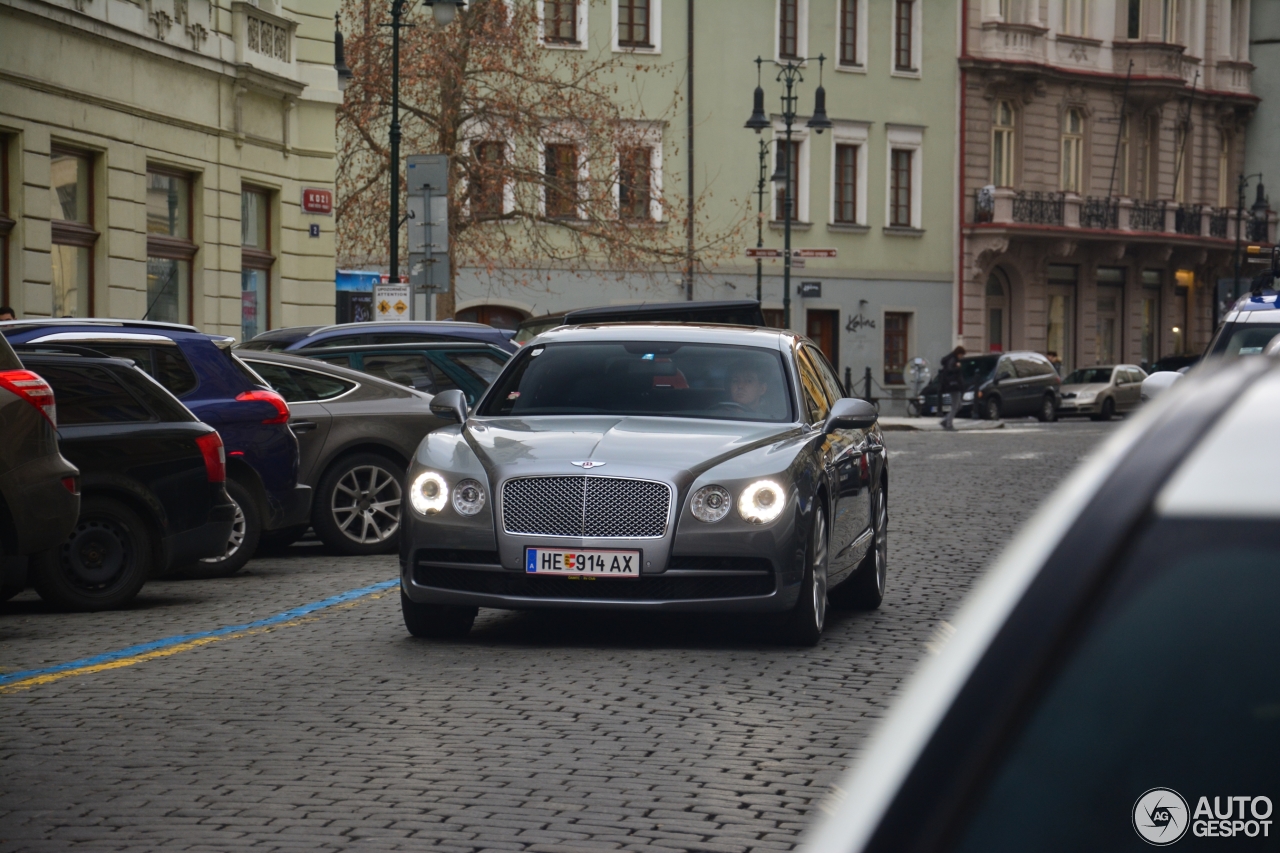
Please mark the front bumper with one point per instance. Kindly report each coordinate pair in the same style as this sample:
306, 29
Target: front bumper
1071, 407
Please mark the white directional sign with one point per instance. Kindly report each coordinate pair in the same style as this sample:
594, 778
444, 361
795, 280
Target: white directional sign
391, 302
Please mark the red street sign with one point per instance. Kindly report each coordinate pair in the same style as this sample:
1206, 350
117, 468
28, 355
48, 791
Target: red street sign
317, 201
813, 253
764, 253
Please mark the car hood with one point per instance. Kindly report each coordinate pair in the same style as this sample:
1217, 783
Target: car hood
615, 445
1088, 388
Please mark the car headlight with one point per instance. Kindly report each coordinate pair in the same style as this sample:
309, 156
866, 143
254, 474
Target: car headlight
710, 504
429, 493
967, 397
468, 497
1085, 398
761, 502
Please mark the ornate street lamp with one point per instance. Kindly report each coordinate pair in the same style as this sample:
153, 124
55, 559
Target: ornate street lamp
1242, 184
789, 76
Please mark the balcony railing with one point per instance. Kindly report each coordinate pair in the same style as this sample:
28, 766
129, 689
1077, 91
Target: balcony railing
1039, 208
1147, 216
1218, 223
1100, 213
1187, 220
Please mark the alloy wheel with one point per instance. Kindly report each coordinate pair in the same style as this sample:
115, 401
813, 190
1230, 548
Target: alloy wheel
366, 504
238, 528
882, 542
819, 570
96, 553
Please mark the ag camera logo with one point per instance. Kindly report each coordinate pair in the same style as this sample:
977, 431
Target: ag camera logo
1160, 816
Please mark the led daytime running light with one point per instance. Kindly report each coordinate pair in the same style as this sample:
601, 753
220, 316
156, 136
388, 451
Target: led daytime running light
761, 502
429, 493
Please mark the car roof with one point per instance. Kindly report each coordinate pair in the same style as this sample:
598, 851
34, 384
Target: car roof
407, 346
1166, 450
316, 365
6, 325
109, 330
581, 315
758, 336
397, 326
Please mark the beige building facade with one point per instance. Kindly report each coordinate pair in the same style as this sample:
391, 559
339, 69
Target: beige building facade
1101, 145
156, 155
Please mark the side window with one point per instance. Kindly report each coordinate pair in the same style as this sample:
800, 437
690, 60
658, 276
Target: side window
827, 373
340, 359
812, 392
344, 341
412, 369
484, 366
1006, 366
173, 371
317, 386
91, 395
281, 380
138, 354
1027, 367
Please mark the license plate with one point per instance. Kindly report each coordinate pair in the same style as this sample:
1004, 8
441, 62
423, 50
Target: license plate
582, 563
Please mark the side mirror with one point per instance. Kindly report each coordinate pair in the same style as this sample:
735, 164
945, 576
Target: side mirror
450, 405
850, 413
1157, 382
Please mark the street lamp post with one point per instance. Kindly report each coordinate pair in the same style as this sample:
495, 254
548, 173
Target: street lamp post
443, 11
789, 76
761, 183
1242, 184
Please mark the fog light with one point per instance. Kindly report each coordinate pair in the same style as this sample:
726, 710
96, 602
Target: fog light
761, 502
428, 493
468, 497
710, 504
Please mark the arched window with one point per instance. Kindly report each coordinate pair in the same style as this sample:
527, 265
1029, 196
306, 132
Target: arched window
1002, 140
1072, 150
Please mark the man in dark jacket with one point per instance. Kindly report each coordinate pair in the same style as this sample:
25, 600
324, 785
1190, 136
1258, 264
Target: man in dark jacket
951, 381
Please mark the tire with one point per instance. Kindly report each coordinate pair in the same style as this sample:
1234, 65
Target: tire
357, 506
864, 590
246, 532
806, 621
1108, 411
436, 621
1048, 409
991, 409
102, 564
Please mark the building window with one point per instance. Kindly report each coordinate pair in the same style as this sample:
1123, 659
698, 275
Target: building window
633, 23
1134, 28
6, 220
1169, 21
900, 187
996, 313
903, 35
560, 21
1152, 281
1151, 188
71, 188
849, 32
562, 181
1182, 166
789, 29
846, 179
635, 183
169, 247
1224, 170
1072, 151
1122, 155
256, 261
1237, 34
487, 183
788, 192
1075, 17
896, 328
1002, 145
1059, 325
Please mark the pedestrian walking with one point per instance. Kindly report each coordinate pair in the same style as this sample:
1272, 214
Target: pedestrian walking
952, 382
1055, 361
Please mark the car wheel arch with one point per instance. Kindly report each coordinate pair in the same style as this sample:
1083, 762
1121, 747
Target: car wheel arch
350, 450
244, 474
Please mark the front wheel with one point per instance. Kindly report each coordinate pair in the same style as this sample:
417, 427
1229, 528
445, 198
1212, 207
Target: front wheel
991, 409
101, 565
436, 621
804, 628
1048, 409
357, 508
864, 590
1108, 410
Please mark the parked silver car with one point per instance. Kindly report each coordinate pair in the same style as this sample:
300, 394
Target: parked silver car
356, 435
1102, 392
649, 467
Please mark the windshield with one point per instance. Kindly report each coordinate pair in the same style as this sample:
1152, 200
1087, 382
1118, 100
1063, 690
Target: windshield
659, 378
1238, 339
976, 368
1089, 376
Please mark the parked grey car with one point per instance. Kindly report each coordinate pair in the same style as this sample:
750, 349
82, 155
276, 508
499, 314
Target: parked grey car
649, 467
1102, 392
356, 435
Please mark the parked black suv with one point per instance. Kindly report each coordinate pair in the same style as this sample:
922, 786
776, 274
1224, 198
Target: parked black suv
152, 481
39, 489
1011, 384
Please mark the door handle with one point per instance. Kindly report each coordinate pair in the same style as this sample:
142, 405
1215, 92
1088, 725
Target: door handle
302, 426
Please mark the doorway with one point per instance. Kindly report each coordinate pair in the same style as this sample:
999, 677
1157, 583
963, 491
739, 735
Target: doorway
821, 328
1060, 327
997, 311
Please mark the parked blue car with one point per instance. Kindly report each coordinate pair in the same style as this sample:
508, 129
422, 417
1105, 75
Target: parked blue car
201, 371
363, 334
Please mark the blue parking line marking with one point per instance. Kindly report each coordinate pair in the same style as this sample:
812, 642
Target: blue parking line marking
156, 645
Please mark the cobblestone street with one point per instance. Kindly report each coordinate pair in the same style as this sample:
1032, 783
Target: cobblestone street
334, 729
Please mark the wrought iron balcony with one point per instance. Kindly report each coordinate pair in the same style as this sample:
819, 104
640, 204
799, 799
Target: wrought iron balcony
1218, 223
1100, 213
1188, 219
1147, 216
1039, 208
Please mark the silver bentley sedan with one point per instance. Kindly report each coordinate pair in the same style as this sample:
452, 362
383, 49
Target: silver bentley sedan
649, 467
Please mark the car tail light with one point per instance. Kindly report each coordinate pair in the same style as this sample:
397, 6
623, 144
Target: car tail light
261, 395
71, 484
215, 457
32, 388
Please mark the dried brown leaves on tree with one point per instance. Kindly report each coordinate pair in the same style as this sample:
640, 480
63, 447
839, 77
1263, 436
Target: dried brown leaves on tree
552, 165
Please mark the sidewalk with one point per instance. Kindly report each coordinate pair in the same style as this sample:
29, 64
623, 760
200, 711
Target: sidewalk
934, 424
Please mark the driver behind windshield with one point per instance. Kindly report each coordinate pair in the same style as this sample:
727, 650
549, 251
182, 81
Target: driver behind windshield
747, 387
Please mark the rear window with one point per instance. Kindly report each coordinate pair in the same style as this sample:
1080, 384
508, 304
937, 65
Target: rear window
244, 370
300, 386
166, 364
91, 395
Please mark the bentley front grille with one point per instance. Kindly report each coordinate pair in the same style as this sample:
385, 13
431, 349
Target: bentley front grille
591, 507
